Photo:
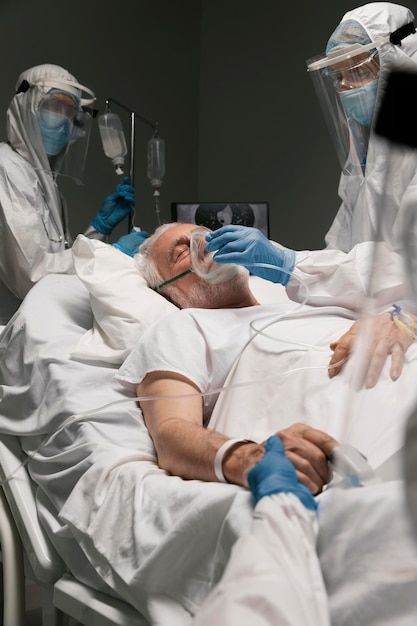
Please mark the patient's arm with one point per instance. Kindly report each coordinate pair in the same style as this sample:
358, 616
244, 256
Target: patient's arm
384, 338
185, 448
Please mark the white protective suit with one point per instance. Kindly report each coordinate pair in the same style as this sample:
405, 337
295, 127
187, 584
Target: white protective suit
34, 236
361, 193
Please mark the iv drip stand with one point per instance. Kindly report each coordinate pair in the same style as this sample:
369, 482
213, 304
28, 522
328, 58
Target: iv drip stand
153, 125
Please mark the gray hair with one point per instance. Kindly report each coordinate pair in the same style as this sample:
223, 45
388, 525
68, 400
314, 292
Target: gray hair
147, 267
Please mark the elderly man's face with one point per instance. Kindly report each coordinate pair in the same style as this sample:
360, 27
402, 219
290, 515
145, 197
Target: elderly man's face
171, 253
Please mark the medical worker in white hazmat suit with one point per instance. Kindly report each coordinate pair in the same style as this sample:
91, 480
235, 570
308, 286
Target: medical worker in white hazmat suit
48, 126
350, 85
378, 184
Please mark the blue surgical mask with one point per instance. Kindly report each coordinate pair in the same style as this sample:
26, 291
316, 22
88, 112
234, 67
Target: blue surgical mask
359, 103
55, 131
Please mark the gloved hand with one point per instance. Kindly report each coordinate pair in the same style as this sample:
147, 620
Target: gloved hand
115, 208
276, 474
246, 246
130, 244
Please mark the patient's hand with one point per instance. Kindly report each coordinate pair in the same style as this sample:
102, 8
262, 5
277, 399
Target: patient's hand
384, 338
309, 450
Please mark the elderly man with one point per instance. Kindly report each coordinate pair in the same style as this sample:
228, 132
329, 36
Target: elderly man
294, 462
212, 330
178, 368
184, 446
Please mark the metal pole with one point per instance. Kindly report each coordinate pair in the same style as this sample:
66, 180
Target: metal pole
153, 125
132, 164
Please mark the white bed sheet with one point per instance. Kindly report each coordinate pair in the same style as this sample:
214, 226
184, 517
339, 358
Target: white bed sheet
119, 522
98, 479
281, 378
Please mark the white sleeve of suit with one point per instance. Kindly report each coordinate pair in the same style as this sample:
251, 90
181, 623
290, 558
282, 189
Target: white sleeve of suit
273, 575
330, 277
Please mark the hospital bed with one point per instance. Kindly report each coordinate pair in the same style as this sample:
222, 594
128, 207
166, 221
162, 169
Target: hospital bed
28, 552
115, 530
26, 549
65, 302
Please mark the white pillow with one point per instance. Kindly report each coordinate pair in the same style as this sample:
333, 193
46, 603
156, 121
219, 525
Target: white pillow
266, 292
122, 303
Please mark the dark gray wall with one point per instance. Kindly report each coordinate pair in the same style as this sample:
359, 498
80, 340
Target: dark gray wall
143, 53
262, 134
225, 79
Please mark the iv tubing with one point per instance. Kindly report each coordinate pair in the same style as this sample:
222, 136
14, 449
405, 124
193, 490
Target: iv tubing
84, 416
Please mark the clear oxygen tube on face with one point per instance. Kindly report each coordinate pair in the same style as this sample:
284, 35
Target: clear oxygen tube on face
203, 264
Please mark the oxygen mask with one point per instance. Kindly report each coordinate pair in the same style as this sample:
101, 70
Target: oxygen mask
202, 262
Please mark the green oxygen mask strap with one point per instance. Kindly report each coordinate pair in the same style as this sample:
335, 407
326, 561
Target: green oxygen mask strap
171, 280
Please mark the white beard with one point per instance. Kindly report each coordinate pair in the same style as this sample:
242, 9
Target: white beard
206, 295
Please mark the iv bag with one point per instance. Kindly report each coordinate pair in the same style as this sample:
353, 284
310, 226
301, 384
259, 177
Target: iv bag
113, 139
156, 160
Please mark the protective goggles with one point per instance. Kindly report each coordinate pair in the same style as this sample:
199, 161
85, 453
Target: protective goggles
354, 73
55, 104
60, 104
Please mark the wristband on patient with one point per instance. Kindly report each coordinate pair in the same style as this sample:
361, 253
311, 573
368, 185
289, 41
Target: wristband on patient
404, 321
218, 460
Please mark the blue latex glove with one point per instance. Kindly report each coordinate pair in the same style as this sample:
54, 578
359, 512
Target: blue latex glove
246, 246
115, 208
130, 244
276, 474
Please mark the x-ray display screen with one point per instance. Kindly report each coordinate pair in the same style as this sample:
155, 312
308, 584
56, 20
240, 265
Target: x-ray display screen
214, 215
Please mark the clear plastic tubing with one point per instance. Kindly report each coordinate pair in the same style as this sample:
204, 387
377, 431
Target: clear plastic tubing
113, 139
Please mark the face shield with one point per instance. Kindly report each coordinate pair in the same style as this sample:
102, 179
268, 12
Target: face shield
65, 131
63, 124
346, 84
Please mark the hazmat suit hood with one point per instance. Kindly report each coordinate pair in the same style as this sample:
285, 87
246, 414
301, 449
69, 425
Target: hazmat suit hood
381, 19
22, 125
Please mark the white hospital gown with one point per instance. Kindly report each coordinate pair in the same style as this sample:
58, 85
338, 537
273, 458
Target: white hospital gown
200, 344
